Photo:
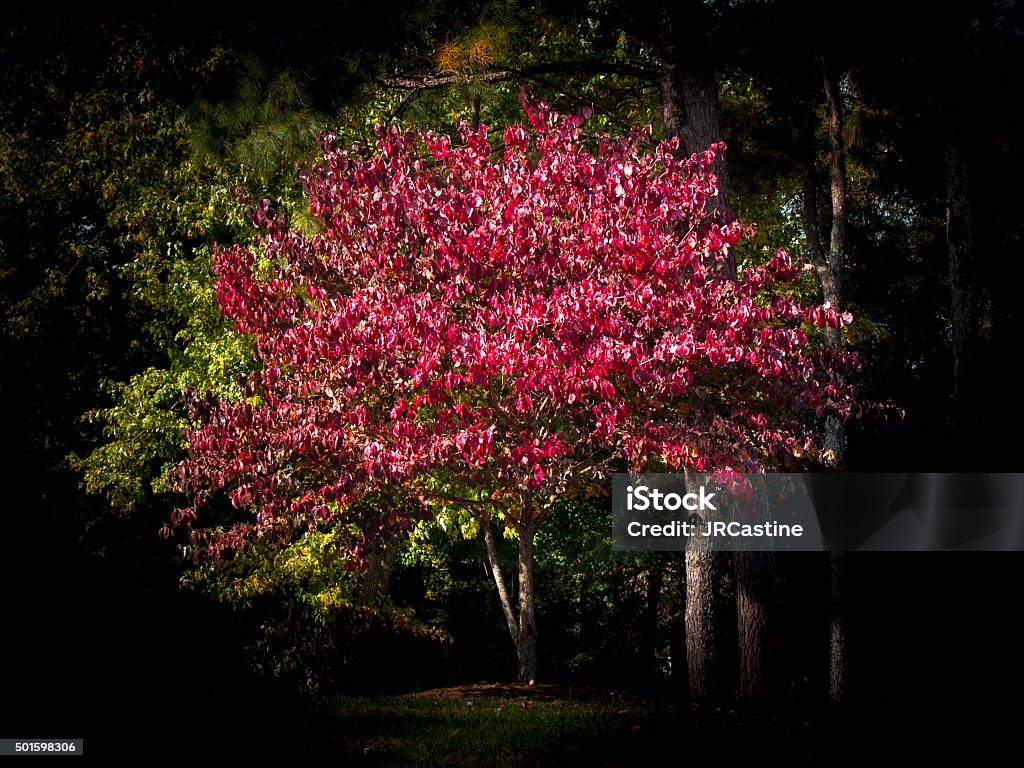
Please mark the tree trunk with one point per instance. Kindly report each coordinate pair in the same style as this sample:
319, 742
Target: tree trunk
835, 434
522, 624
837, 676
703, 567
526, 643
374, 583
703, 572
474, 112
832, 278
970, 307
960, 244
829, 266
499, 581
755, 580
837, 239
689, 100
755, 596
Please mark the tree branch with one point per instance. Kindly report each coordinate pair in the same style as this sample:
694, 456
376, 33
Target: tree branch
426, 82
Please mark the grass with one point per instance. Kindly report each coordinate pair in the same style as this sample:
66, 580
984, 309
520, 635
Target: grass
511, 731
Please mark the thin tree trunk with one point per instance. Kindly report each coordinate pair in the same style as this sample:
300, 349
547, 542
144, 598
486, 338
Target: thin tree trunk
838, 673
499, 582
832, 282
474, 111
837, 151
755, 577
835, 434
829, 266
522, 623
960, 245
970, 307
526, 645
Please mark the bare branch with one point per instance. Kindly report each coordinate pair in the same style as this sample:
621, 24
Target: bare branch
426, 82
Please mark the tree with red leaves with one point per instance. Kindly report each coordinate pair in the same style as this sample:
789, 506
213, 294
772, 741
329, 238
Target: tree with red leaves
495, 326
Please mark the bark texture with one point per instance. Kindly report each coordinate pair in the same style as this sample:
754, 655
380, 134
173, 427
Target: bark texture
375, 581
526, 645
838, 671
755, 580
703, 568
521, 617
689, 99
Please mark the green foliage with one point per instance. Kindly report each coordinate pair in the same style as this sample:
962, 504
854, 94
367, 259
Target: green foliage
189, 344
304, 607
572, 34
593, 598
434, 560
178, 197
79, 129
263, 128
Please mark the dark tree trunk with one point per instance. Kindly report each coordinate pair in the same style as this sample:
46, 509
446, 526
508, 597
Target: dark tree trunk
703, 568
835, 434
375, 581
829, 265
526, 645
689, 99
474, 111
754, 572
703, 572
970, 307
837, 677
755, 582
832, 276
837, 239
